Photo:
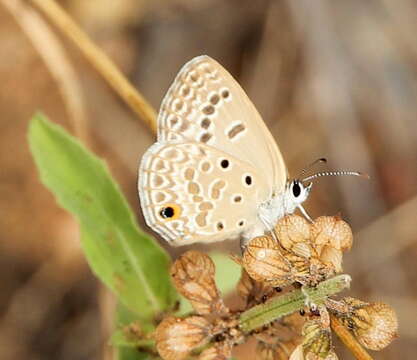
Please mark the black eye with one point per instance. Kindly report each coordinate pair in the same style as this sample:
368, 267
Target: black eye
296, 189
248, 180
167, 212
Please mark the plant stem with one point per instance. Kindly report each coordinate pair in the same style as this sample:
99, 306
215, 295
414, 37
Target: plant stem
280, 306
99, 60
348, 339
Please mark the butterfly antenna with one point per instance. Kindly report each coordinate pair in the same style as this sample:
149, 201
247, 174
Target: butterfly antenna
308, 167
335, 173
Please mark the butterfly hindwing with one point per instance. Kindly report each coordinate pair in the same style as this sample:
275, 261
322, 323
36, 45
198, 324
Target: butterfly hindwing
191, 192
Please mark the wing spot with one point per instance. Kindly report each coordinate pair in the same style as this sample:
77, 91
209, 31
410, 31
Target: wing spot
193, 188
206, 205
204, 138
173, 121
205, 166
248, 180
189, 174
220, 226
160, 197
225, 93
159, 165
214, 99
241, 223
224, 163
205, 123
208, 109
185, 90
237, 198
236, 130
197, 198
170, 212
157, 180
201, 219
219, 184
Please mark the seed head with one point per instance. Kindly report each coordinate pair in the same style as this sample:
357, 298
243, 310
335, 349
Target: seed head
193, 275
222, 351
176, 338
264, 262
293, 232
375, 325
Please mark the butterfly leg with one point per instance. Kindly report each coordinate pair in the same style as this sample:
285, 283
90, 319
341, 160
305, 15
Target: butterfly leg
304, 212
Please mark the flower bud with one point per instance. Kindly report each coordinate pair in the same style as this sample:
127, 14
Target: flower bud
176, 338
264, 262
193, 275
317, 339
333, 231
375, 325
293, 232
221, 351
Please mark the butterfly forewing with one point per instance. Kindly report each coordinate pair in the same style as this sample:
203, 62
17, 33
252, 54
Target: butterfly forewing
206, 104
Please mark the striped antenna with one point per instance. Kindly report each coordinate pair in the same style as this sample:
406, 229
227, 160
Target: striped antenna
335, 173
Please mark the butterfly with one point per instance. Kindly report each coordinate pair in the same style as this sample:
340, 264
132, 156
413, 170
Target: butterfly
215, 172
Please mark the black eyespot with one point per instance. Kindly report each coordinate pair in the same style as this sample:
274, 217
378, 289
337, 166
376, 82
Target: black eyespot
296, 189
248, 180
167, 212
220, 226
241, 223
302, 312
224, 164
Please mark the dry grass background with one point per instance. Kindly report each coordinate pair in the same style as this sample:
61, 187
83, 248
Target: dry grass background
331, 78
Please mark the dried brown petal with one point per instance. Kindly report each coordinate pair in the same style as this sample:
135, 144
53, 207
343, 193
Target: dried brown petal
331, 230
193, 275
332, 257
221, 351
176, 337
293, 232
375, 325
264, 262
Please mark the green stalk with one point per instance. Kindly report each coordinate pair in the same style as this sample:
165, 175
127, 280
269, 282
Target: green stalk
280, 306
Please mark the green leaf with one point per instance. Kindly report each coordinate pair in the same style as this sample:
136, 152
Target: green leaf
126, 259
227, 272
130, 331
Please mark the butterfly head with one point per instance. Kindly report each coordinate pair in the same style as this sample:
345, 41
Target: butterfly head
298, 191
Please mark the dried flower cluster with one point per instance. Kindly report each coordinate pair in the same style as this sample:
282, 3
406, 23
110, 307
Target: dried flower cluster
193, 276
305, 253
296, 254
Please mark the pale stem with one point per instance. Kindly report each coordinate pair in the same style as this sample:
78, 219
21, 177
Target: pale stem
283, 305
348, 339
99, 60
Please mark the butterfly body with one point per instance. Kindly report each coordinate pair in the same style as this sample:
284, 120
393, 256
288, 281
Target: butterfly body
215, 172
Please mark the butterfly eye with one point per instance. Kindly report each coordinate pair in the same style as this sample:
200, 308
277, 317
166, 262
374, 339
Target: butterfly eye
170, 212
296, 189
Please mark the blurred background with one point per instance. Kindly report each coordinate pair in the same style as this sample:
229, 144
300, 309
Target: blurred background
330, 78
